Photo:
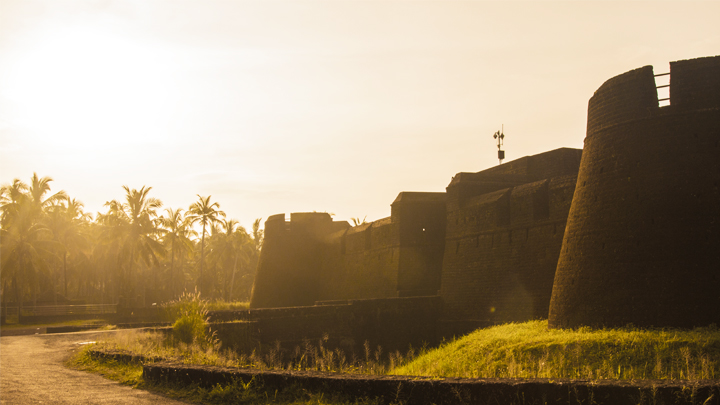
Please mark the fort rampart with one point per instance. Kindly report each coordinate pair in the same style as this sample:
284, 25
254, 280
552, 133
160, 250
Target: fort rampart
503, 237
488, 246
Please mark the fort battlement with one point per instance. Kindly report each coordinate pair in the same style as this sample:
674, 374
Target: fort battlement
632, 96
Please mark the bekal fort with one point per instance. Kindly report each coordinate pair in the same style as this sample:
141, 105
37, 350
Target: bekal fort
624, 231
573, 276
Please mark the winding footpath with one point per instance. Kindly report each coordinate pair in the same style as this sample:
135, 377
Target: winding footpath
32, 372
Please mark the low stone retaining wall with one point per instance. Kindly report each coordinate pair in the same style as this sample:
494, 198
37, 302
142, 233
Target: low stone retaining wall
390, 323
122, 356
419, 390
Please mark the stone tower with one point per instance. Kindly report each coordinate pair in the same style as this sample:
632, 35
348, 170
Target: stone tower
642, 242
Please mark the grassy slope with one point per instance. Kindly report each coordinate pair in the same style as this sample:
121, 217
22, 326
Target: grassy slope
531, 350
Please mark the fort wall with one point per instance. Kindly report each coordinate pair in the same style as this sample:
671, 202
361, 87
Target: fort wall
392, 324
491, 242
642, 243
362, 262
421, 222
488, 246
502, 246
292, 256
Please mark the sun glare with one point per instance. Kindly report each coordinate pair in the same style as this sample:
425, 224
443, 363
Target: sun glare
88, 85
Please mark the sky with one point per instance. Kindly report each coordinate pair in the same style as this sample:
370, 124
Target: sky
298, 106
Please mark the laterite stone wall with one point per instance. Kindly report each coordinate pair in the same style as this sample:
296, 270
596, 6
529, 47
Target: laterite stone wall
392, 324
642, 243
502, 246
489, 246
362, 262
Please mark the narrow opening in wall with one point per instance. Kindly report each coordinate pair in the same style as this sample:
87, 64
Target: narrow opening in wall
662, 83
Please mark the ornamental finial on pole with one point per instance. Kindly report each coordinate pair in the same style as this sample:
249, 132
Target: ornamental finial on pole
500, 136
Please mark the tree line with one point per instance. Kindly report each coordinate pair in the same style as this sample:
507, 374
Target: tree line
133, 254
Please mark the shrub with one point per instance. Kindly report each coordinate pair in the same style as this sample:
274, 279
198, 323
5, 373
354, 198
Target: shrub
189, 314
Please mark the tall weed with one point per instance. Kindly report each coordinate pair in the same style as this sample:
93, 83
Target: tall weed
189, 314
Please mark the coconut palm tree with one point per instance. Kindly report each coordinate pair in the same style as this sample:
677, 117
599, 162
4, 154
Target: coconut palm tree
206, 214
104, 255
38, 188
11, 198
132, 226
176, 231
257, 235
25, 250
25, 241
230, 246
69, 225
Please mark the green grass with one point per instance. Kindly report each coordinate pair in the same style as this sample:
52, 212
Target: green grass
125, 373
236, 393
222, 305
311, 356
524, 350
531, 350
191, 343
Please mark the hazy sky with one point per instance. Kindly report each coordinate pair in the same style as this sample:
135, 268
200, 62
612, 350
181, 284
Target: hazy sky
288, 106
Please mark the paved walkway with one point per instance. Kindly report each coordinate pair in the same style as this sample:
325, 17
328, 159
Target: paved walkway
32, 372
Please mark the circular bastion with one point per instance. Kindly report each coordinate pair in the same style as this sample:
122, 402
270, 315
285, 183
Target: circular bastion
642, 242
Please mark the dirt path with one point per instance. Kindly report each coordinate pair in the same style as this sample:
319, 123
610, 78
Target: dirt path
32, 372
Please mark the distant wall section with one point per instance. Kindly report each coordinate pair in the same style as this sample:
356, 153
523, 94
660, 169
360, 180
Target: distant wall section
290, 271
362, 262
312, 258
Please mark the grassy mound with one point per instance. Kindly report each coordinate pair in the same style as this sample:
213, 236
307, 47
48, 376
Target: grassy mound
531, 350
